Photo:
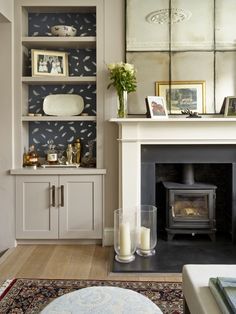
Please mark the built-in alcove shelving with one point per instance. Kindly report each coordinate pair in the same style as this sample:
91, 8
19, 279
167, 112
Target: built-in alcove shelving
33, 32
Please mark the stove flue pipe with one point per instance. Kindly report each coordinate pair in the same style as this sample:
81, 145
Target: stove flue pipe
188, 174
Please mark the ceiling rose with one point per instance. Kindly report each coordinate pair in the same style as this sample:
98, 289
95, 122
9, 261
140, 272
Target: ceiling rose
162, 16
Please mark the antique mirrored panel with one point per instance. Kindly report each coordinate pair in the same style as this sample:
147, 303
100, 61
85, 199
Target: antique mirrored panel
225, 30
194, 27
151, 67
225, 76
185, 67
185, 41
147, 25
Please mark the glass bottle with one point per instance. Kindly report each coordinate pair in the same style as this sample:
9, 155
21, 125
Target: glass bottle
32, 157
88, 160
25, 157
52, 157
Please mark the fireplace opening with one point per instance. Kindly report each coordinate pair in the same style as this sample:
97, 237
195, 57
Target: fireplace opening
190, 206
194, 201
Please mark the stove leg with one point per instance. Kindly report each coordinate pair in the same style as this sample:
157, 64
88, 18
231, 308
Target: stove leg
212, 237
170, 236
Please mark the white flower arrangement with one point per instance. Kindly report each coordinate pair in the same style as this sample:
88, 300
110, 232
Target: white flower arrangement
122, 76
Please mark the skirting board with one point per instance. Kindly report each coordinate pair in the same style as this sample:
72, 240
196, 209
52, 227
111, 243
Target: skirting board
108, 240
108, 237
58, 242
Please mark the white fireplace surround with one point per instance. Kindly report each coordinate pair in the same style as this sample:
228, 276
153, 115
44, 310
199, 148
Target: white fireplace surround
133, 132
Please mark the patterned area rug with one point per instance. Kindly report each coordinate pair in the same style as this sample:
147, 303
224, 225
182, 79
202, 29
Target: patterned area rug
32, 295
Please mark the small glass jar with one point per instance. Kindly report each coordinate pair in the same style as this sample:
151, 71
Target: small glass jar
147, 233
125, 235
52, 157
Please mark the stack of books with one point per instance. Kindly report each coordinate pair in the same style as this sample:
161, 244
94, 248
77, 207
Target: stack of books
224, 291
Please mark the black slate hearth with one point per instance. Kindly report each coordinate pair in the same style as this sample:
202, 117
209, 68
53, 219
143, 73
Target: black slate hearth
184, 249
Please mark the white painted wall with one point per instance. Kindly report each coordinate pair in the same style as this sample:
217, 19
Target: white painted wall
114, 52
6, 10
7, 197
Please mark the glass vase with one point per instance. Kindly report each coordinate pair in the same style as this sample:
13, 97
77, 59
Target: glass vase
122, 104
125, 235
147, 233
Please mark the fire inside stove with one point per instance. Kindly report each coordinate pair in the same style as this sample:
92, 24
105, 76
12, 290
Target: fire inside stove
187, 207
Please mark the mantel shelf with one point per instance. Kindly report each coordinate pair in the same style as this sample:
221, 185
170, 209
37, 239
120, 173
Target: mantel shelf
42, 80
59, 42
210, 119
59, 118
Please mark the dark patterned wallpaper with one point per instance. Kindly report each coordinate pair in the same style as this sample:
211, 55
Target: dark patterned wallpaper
41, 23
62, 134
81, 62
37, 93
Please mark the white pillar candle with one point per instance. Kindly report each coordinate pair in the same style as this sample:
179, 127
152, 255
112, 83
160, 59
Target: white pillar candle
125, 241
145, 239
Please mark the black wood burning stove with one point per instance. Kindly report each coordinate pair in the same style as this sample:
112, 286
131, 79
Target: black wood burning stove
190, 206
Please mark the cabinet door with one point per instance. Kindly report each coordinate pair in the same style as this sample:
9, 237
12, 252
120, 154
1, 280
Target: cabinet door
36, 207
80, 207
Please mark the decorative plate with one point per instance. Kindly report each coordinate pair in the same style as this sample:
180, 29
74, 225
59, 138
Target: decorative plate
63, 105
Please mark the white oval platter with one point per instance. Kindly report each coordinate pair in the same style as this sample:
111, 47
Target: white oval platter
63, 105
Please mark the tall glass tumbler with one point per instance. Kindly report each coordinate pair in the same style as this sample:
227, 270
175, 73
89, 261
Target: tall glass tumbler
125, 235
147, 230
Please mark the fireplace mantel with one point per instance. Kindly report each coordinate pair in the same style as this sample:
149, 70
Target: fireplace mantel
134, 132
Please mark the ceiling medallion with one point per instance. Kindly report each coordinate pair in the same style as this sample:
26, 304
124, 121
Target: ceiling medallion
162, 16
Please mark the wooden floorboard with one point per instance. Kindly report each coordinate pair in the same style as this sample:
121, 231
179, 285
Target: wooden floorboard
67, 262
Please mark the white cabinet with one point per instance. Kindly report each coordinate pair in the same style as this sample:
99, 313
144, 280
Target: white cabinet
36, 215
80, 207
59, 207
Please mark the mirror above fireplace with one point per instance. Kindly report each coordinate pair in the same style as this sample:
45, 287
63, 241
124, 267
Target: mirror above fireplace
182, 40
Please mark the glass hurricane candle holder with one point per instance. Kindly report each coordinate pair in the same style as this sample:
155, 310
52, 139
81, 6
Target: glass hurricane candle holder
125, 235
147, 234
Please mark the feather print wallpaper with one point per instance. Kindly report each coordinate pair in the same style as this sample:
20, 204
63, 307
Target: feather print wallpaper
81, 62
41, 23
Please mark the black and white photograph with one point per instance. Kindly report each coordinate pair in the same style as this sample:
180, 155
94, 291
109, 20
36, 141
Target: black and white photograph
49, 63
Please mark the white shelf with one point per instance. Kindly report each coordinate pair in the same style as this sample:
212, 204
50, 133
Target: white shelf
59, 118
59, 42
56, 8
45, 80
63, 171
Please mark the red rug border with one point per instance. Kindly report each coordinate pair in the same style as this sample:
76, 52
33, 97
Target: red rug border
98, 280
115, 280
8, 288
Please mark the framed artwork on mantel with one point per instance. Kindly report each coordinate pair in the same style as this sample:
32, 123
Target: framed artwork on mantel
182, 95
